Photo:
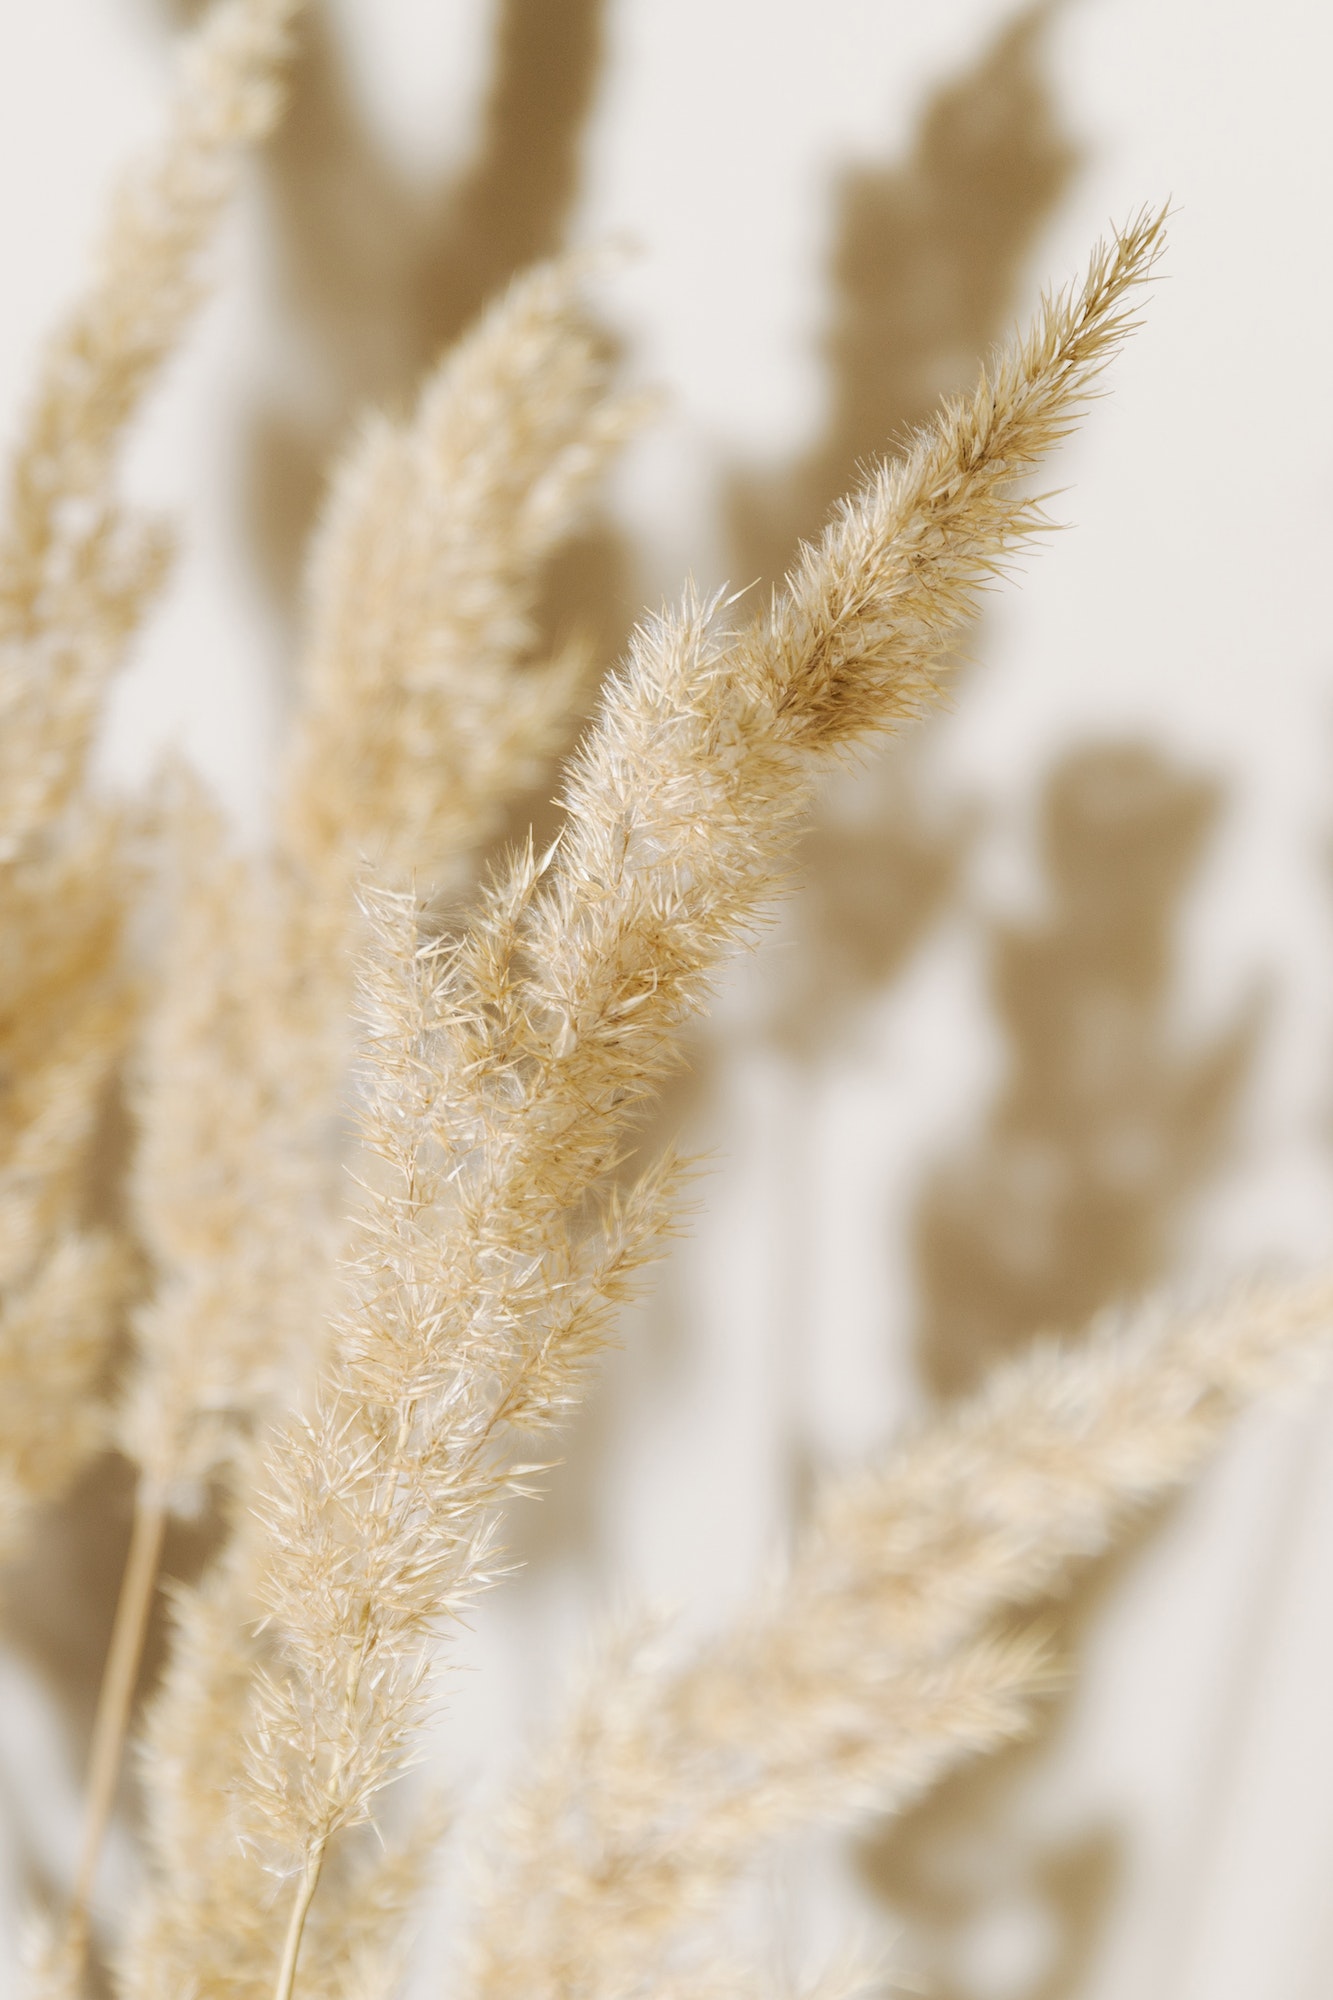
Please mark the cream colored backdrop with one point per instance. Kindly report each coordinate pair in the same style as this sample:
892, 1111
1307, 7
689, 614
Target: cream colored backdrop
1053, 1019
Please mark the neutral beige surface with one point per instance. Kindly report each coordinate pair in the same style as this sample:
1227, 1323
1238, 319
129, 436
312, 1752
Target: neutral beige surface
928, 1134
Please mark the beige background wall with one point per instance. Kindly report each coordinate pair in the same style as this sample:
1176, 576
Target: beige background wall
1053, 1019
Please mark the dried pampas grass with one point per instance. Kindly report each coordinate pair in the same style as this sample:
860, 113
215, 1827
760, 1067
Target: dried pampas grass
874, 1665
358, 1384
77, 574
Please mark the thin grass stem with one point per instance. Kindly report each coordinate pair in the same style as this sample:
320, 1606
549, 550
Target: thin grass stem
115, 1699
291, 1950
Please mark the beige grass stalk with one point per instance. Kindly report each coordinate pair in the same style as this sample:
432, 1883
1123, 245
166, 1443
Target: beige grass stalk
209, 1921
505, 1068
63, 1014
423, 714
53, 1335
77, 572
424, 711
666, 1781
75, 567
233, 1170
203, 1921
649, 1814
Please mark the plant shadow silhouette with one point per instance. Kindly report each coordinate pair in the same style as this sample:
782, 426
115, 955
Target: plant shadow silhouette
378, 272
1105, 1130
1070, 1199
1071, 1196
925, 264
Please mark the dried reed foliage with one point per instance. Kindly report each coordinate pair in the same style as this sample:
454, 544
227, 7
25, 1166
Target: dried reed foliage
423, 713
77, 573
425, 706
220, 1157
505, 1066
872, 1666
663, 1788
76, 567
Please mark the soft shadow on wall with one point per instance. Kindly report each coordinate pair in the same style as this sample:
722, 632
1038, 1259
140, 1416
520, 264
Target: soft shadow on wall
925, 264
1070, 1198
377, 272
1074, 1191
924, 274
1083, 1172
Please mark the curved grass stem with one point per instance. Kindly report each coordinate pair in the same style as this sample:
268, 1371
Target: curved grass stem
291, 1950
115, 1700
